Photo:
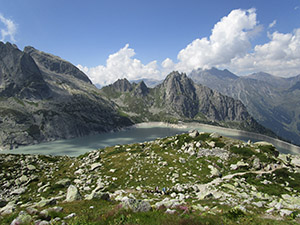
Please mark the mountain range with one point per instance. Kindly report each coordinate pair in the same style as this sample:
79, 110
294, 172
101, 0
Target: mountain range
45, 98
178, 98
272, 101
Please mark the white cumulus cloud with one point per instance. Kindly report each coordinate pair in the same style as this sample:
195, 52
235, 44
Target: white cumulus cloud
229, 46
280, 56
230, 38
9, 30
121, 64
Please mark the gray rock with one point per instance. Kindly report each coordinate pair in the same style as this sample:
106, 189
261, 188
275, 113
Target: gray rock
170, 211
258, 204
18, 191
64, 182
8, 209
136, 205
98, 195
3, 203
73, 194
256, 164
168, 203
285, 212
239, 164
214, 171
45, 202
41, 222
44, 214
32, 211
70, 216
194, 133
31, 167
23, 218
215, 135
95, 166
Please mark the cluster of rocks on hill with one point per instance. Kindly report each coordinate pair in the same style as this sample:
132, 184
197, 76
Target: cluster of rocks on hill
180, 171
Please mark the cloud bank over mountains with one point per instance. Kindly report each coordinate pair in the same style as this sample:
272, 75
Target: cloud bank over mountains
229, 46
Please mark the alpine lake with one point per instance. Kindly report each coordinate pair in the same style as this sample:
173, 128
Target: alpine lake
140, 133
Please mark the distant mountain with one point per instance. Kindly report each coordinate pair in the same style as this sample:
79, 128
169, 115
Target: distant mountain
272, 101
179, 98
43, 97
149, 82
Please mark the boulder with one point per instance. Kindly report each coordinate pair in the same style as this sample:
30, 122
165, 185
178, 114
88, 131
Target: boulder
136, 205
215, 135
238, 165
263, 143
64, 182
32, 211
98, 195
72, 194
95, 166
70, 216
31, 167
18, 191
2, 203
8, 209
170, 211
214, 172
23, 218
79, 171
256, 164
285, 212
44, 214
23, 179
193, 133
45, 202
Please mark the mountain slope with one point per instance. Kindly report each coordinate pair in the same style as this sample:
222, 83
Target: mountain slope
272, 101
178, 177
45, 98
179, 98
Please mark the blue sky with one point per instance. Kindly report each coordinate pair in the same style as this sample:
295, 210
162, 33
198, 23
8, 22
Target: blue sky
87, 33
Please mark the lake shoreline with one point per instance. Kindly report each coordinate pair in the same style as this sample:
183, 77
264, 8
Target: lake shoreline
142, 132
193, 125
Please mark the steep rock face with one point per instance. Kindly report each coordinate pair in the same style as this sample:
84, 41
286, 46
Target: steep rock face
179, 98
271, 100
19, 75
179, 93
59, 102
55, 64
141, 89
122, 85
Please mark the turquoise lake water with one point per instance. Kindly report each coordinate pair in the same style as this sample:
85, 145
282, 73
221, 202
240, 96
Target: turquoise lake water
140, 133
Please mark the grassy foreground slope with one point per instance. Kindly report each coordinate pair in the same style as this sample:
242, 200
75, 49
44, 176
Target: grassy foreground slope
185, 179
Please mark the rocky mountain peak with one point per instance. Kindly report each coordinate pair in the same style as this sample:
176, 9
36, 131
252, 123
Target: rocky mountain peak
178, 84
55, 64
19, 74
122, 85
141, 89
